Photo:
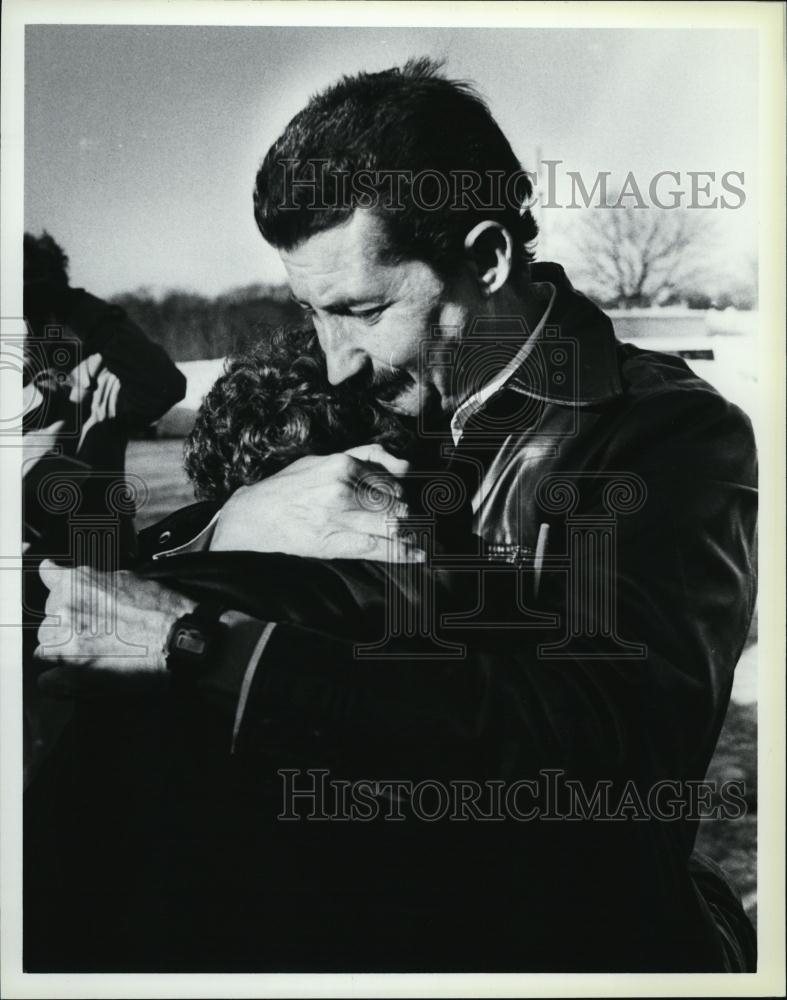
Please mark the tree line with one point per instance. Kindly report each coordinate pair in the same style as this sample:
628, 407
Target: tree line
622, 259
192, 327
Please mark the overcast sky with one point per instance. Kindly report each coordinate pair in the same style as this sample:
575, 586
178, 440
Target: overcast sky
142, 142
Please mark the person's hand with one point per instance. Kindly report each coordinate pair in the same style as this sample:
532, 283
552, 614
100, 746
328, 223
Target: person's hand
104, 632
83, 378
103, 404
344, 506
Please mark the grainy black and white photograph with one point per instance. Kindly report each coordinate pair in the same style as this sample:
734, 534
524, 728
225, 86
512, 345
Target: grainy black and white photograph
384, 596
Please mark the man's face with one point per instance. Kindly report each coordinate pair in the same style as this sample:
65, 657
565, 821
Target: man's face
371, 316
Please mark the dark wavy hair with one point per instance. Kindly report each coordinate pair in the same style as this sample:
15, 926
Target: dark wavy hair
274, 404
45, 280
339, 153
44, 259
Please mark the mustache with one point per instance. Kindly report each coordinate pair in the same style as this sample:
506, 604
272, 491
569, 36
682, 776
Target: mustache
383, 384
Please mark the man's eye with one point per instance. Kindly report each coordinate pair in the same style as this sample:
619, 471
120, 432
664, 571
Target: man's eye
369, 315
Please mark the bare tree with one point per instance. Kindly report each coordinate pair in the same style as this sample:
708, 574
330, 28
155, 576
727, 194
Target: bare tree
629, 257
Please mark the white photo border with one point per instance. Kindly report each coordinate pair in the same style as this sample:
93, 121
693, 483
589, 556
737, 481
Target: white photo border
768, 19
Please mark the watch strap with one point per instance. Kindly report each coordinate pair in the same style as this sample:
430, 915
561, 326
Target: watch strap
193, 639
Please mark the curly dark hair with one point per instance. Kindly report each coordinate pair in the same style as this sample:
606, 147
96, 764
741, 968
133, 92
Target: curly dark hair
274, 404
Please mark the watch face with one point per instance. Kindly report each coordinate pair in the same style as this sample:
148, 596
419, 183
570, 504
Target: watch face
193, 639
190, 640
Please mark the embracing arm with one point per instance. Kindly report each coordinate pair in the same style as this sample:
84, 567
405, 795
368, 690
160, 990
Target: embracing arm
684, 591
684, 582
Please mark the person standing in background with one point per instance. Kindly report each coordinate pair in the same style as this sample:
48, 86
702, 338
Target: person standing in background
90, 378
121, 381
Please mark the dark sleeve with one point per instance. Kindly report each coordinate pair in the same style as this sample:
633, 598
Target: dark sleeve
150, 382
642, 695
175, 529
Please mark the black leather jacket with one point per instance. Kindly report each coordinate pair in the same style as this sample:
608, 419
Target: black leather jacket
601, 646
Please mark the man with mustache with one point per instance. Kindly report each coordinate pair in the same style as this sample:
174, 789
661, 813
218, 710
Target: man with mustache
612, 487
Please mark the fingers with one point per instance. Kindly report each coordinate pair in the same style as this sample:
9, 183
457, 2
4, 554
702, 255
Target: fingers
83, 376
93, 365
112, 396
90, 422
103, 404
105, 396
92, 376
55, 639
396, 551
384, 525
79, 383
51, 574
378, 499
351, 484
97, 403
355, 545
54, 576
78, 596
373, 486
376, 454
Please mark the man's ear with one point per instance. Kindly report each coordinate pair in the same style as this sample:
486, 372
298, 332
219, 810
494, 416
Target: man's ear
490, 246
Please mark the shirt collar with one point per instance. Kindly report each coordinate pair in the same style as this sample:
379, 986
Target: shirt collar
479, 399
570, 358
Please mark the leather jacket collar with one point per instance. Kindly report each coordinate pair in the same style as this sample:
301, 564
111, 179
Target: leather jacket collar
575, 362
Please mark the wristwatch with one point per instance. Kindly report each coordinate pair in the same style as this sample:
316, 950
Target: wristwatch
193, 640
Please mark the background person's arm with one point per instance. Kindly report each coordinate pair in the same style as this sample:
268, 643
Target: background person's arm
150, 382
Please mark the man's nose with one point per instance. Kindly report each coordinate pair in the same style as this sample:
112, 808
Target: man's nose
343, 358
